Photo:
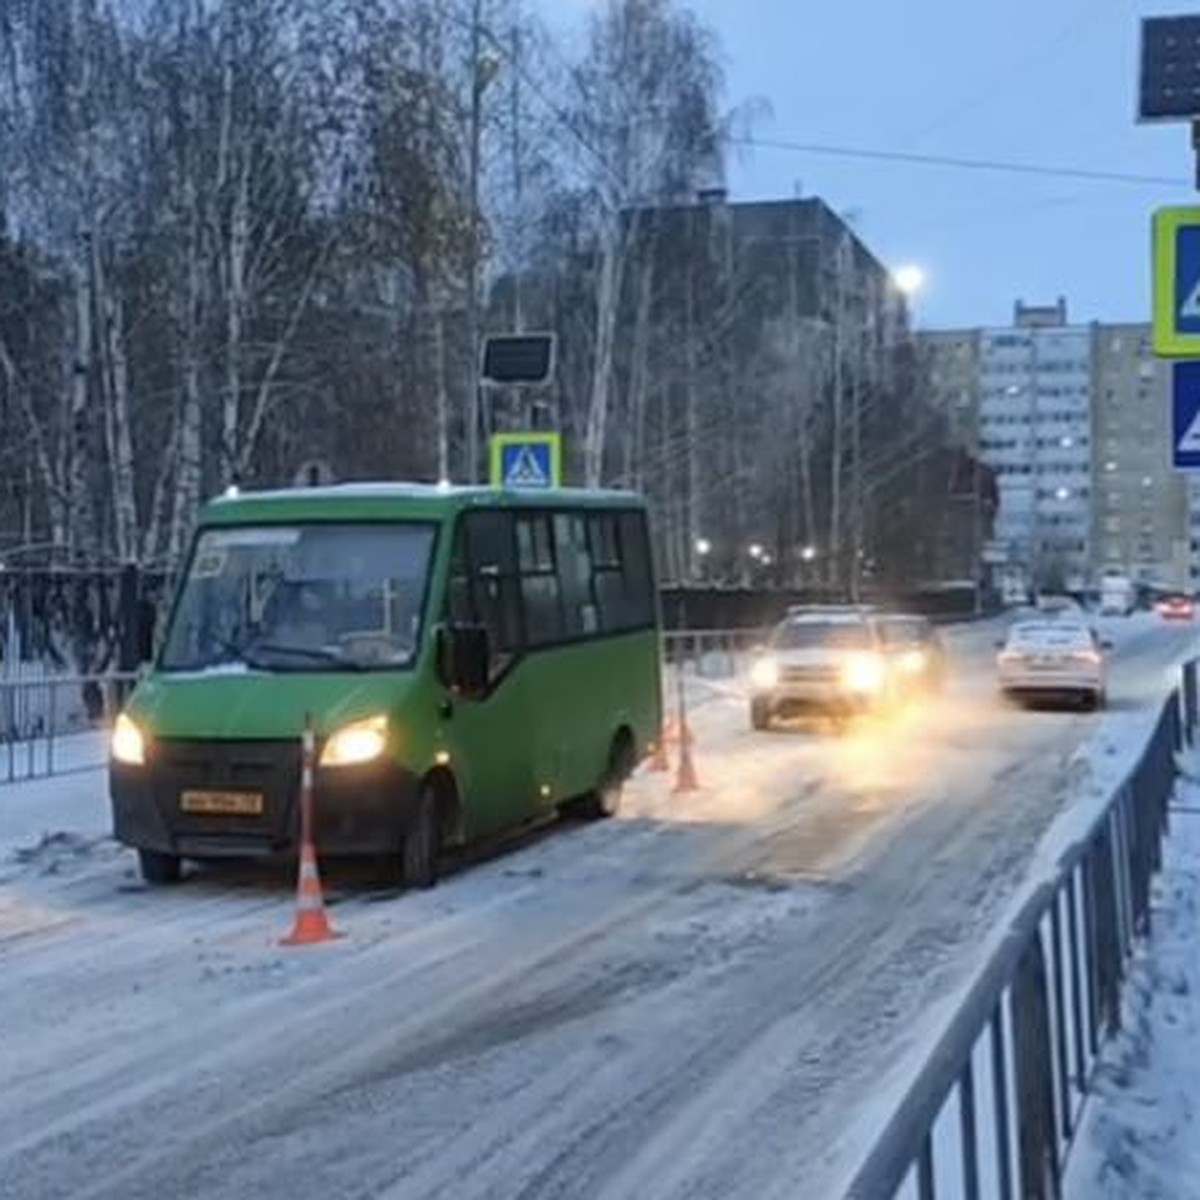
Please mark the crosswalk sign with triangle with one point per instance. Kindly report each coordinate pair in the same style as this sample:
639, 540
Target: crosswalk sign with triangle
1185, 392
526, 461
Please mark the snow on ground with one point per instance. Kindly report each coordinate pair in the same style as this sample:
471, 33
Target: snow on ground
1140, 1139
708, 997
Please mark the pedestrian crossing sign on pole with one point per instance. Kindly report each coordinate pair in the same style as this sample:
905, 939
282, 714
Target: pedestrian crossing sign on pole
1177, 282
526, 460
1185, 390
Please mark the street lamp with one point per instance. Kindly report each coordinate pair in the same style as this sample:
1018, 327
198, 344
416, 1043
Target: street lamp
703, 547
756, 550
909, 280
809, 554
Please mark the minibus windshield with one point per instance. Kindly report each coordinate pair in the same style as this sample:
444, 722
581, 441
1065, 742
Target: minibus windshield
303, 597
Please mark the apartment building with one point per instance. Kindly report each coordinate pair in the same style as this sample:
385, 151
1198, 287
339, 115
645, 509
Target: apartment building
1035, 433
1075, 421
1140, 511
951, 358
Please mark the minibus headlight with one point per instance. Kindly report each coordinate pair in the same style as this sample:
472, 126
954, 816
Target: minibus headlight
361, 742
128, 743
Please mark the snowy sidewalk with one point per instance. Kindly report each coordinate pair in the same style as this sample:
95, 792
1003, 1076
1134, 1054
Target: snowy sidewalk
1140, 1139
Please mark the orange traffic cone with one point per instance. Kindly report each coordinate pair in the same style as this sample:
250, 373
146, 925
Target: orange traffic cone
686, 779
658, 761
312, 925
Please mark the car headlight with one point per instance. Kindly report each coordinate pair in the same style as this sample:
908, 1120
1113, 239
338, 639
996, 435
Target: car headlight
914, 661
361, 742
765, 673
865, 673
128, 744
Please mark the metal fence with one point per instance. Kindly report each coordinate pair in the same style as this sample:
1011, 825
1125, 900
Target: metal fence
713, 653
54, 724
995, 1108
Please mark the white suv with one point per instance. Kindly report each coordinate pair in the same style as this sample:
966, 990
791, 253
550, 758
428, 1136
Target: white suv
830, 664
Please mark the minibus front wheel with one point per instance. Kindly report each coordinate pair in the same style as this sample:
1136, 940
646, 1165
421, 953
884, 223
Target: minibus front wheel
159, 868
423, 839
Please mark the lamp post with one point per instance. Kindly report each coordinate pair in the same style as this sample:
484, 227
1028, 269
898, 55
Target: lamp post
483, 71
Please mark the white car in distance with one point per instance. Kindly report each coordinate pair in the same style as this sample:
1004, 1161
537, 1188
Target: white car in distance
1054, 660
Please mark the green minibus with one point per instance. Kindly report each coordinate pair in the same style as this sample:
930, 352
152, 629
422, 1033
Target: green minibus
470, 660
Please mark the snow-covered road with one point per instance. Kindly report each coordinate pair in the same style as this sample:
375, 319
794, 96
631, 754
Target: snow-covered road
715, 995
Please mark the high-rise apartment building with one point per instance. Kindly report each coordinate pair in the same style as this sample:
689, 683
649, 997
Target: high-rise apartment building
1075, 420
1140, 509
951, 360
1035, 432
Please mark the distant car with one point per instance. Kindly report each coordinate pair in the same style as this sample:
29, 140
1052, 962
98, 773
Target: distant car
1056, 604
829, 664
1054, 660
916, 651
1176, 607
1118, 596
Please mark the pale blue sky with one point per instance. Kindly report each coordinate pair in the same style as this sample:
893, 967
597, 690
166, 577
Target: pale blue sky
1044, 81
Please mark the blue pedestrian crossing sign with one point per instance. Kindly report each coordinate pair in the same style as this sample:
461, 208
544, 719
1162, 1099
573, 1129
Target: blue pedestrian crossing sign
1185, 393
526, 460
1177, 282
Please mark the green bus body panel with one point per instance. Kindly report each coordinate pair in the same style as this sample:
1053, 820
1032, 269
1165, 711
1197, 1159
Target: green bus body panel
254, 706
541, 736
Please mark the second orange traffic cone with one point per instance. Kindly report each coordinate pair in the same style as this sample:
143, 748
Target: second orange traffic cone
312, 924
686, 779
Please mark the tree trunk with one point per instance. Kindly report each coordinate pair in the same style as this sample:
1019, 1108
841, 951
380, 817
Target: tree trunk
16, 388
443, 397
81, 529
117, 433
612, 269
264, 394
152, 547
124, 492
186, 496
635, 438
691, 529
235, 300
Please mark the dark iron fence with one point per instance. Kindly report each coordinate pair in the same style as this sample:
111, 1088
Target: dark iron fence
698, 607
993, 1112
54, 724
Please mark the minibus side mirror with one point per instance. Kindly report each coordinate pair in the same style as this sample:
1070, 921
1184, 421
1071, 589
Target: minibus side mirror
464, 658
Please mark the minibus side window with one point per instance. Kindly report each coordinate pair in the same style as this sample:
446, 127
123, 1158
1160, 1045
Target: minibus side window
637, 570
484, 584
540, 591
608, 577
580, 613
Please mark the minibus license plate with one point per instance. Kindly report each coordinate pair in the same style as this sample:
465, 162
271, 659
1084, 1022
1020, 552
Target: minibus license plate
241, 804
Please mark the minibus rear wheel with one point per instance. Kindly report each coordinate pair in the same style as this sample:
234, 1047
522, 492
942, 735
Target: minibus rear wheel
605, 800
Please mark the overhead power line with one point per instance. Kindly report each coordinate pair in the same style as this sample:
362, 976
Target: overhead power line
964, 164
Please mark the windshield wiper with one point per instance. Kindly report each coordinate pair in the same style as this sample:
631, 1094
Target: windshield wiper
313, 653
